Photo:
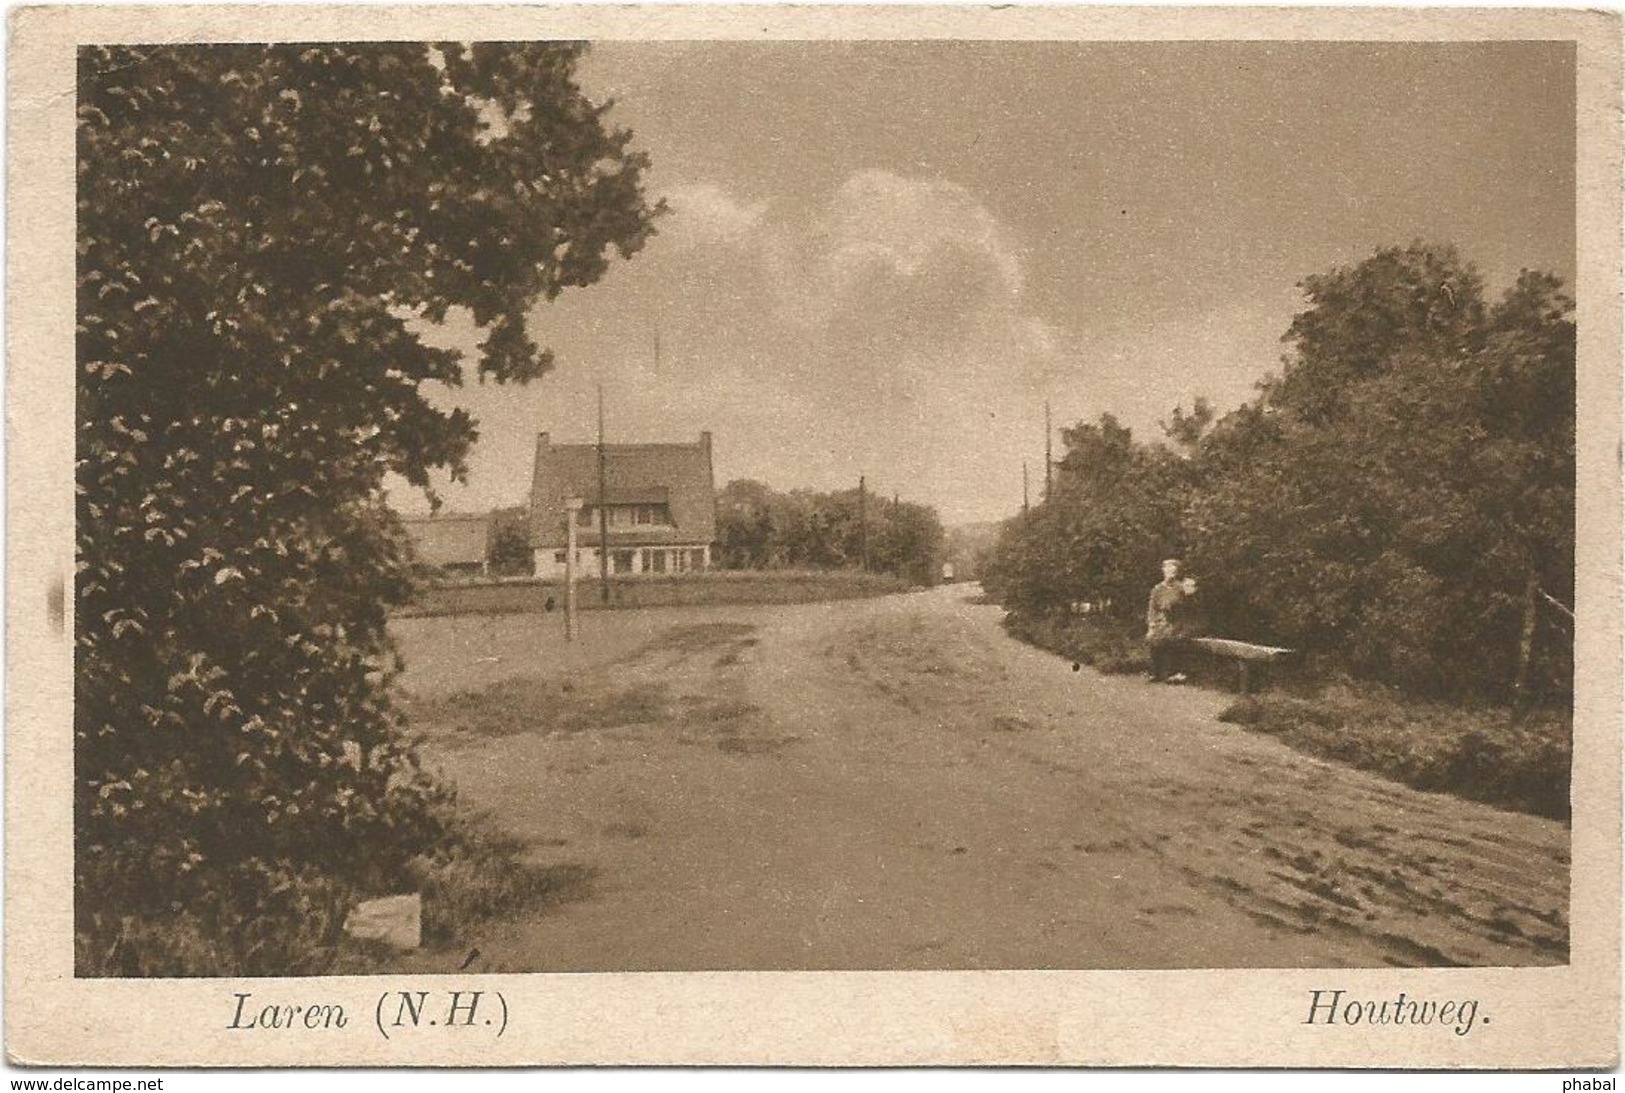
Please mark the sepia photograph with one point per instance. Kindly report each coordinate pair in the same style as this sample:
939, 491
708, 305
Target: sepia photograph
765, 504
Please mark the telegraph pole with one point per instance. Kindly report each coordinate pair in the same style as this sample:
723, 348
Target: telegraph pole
863, 522
572, 506
1026, 506
603, 506
1049, 463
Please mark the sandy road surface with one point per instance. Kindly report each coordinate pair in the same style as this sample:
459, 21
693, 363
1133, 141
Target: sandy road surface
894, 783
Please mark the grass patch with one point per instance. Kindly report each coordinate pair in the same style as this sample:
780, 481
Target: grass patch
475, 872
301, 933
701, 638
1112, 646
1480, 754
480, 872
755, 745
727, 640
714, 588
513, 706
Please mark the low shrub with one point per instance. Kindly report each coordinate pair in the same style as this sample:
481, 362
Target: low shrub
298, 931
475, 872
709, 589
481, 872
1107, 645
1483, 754
1480, 753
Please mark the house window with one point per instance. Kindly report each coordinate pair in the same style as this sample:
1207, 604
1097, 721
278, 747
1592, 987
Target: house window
696, 559
623, 560
625, 515
559, 557
657, 561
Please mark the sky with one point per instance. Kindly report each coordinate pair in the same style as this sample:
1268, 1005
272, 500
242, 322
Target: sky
883, 258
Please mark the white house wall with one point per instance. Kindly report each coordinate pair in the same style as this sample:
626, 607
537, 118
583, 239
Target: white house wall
679, 559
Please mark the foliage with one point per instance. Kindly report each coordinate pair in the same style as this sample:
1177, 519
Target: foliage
509, 553
967, 547
1113, 514
1479, 753
710, 588
760, 528
1107, 645
1400, 500
479, 872
263, 230
296, 931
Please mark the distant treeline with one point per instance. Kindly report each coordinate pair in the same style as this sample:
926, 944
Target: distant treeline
761, 528
1398, 502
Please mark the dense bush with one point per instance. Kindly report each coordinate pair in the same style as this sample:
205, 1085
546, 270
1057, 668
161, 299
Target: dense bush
1398, 502
295, 929
508, 552
1104, 644
478, 872
264, 231
1481, 753
707, 589
760, 528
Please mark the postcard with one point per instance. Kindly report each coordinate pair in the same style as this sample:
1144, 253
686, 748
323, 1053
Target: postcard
813, 536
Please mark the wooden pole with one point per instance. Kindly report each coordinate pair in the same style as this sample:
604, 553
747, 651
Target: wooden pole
603, 506
1049, 462
571, 508
1026, 505
863, 523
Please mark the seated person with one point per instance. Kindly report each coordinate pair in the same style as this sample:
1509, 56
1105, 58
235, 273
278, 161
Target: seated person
1171, 620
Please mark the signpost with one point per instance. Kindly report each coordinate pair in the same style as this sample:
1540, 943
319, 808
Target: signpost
571, 507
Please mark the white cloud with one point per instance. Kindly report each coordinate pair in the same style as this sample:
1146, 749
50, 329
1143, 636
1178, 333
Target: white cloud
884, 330
908, 222
705, 213
883, 240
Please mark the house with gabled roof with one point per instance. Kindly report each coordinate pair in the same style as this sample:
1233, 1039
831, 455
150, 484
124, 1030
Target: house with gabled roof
660, 500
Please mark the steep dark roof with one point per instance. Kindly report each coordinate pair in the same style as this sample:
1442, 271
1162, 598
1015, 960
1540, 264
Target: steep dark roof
676, 475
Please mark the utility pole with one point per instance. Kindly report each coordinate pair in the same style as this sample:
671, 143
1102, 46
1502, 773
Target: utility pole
1025, 504
572, 506
603, 506
1049, 462
863, 523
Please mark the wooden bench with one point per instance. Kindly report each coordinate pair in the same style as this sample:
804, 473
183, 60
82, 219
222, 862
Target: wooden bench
1252, 660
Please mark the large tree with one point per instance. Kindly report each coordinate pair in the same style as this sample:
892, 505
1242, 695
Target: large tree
264, 233
1399, 501
1111, 516
760, 528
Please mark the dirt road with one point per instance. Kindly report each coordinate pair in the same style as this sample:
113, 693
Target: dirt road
896, 784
